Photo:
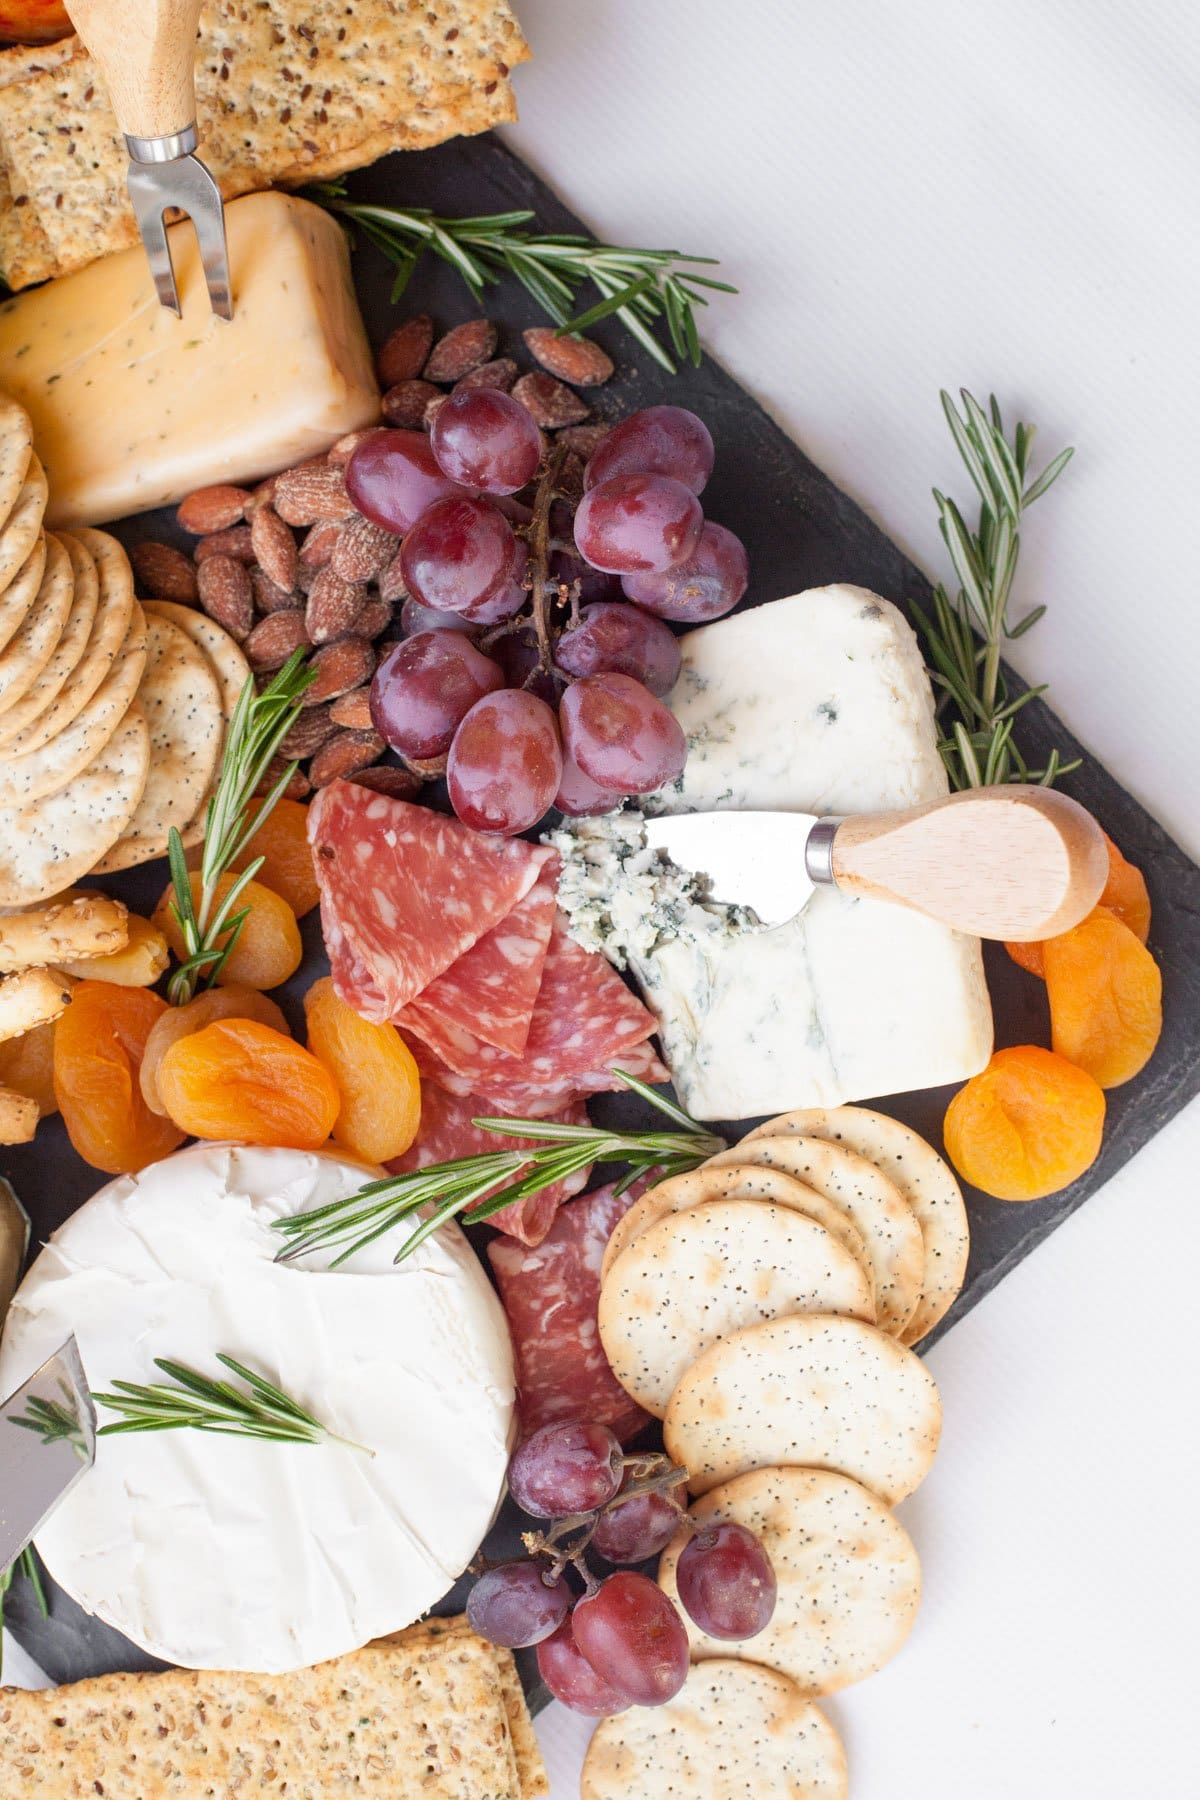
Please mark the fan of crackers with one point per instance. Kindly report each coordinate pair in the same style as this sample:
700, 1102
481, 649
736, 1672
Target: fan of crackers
113, 715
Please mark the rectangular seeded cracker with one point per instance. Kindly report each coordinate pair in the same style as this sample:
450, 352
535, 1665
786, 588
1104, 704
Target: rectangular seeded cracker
24, 250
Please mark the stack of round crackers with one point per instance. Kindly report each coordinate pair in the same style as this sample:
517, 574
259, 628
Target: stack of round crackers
112, 715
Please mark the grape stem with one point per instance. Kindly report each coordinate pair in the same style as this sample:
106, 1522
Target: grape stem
568, 1538
539, 556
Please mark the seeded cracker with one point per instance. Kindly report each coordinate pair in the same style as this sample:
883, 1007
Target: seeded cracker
65, 659
32, 644
20, 531
22, 590
225, 659
24, 253
16, 450
106, 642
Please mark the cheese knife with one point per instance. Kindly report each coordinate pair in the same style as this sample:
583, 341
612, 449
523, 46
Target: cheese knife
47, 1441
145, 50
1021, 863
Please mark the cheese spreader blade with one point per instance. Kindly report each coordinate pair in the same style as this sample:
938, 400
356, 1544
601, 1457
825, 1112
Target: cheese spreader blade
47, 1441
1020, 863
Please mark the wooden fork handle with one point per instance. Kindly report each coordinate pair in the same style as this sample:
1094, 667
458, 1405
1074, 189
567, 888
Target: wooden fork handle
1018, 862
146, 52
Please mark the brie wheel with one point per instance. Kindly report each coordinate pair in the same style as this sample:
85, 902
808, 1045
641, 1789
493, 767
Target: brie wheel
231, 1553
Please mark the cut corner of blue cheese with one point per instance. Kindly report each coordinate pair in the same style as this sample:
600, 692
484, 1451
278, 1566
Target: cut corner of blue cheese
817, 703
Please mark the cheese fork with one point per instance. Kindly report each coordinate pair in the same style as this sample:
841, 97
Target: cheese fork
1020, 863
145, 50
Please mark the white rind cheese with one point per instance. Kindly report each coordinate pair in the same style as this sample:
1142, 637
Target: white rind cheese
818, 703
219, 1552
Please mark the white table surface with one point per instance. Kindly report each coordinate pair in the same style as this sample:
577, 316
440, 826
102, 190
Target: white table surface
910, 197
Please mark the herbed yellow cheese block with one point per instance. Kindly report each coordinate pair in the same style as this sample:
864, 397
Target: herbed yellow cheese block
132, 407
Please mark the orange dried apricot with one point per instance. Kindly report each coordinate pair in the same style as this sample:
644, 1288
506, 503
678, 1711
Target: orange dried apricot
375, 1075
27, 1066
268, 950
239, 1079
1029, 1125
1125, 893
1105, 994
282, 841
98, 1047
180, 1021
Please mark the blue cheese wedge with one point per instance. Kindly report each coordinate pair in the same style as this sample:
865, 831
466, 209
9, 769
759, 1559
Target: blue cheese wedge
817, 703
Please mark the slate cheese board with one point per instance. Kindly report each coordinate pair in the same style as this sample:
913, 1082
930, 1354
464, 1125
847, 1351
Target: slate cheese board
801, 532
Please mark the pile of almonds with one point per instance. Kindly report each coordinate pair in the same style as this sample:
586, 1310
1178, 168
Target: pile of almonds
291, 563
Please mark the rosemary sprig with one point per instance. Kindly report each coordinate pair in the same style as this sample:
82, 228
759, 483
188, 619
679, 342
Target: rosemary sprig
56, 1422
965, 635
259, 725
640, 287
206, 1404
465, 1186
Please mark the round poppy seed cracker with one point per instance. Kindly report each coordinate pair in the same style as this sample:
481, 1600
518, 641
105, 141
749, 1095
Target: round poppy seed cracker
924, 1178
115, 613
848, 1575
19, 533
701, 1274
16, 453
818, 1393
225, 658
44, 771
64, 659
22, 590
47, 846
32, 643
865, 1194
733, 1732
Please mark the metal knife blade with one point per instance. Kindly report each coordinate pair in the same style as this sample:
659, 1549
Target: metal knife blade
754, 859
47, 1441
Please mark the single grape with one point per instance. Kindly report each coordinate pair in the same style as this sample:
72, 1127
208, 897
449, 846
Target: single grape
505, 762
633, 1637
579, 796
486, 439
571, 1678
461, 556
659, 440
636, 1529
638, 522
620, 735
613, 636
518, 655
515, 1605
426, 686
708, 584
566, 1467
594, 584
392, 477
726, 1582
416, 616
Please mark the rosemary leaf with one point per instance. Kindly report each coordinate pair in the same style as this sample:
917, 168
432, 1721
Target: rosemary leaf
203, 1403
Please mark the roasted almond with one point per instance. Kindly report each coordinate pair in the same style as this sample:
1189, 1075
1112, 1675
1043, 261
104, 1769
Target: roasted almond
274, 547
461, 350
500, 373
374, 619
313, 728
353, 710
388, 778
273, 640
312, 492
333, 606
346, 664
262, 495
583, 439
404, 405
319, 542
391, 582
362, 549
341, 452
345, 754
551, 404
299, 786
405, 350
226, 594
271, 599
212, 509
234, 541
572, 358
164, 573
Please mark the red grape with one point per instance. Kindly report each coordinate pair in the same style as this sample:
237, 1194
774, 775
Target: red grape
594, 584
578, 795
505, 762
726, 1582
392, 477
566, 1467
620, 735
659, 440
461, 556
486, 439
638, 522
633, 1637
416, 616
634, 1530
708, 584
514, 1605
613, 636
571, 1678
426, 686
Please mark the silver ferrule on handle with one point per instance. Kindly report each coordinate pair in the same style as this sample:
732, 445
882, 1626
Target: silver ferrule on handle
818, 852
162, 149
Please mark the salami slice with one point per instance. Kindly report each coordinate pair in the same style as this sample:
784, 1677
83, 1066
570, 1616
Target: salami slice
491, 991
522, 1099
551, 1295
446, 1132
405, 891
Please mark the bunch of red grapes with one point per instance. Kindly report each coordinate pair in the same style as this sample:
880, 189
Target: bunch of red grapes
536, 651
622, 1641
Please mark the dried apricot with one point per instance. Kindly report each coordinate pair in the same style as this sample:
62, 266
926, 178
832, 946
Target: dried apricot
1105, 994
27, 1067
375, 1075
98, 1046
282, 841
242, 1080
1125, 893
180, 1021
268, 949
1029, 1125
139, 963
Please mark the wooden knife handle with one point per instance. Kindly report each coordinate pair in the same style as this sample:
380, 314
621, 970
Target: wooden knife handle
146, 52
1018, 862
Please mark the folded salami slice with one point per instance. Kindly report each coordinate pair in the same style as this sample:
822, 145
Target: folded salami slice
521, 1099
551, 1295
446, 1132
491, 991
405, 891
